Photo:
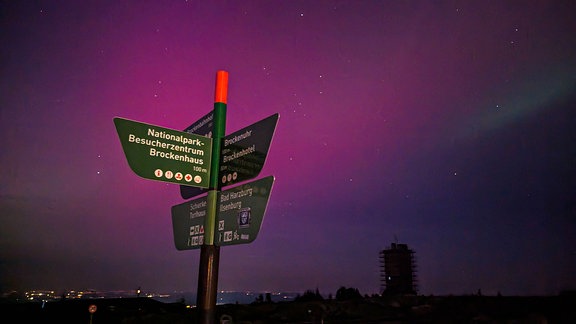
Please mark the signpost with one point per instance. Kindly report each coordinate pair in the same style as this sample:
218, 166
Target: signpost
243, 154
202, 160
210, 253
164, 154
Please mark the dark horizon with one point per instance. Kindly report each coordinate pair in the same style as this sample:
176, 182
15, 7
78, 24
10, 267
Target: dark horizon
347, 306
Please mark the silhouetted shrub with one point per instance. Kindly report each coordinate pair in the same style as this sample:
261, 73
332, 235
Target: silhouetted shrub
310, 295
344, 293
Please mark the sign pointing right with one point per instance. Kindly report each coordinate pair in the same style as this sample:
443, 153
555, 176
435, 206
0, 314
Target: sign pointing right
243, 154
239, 216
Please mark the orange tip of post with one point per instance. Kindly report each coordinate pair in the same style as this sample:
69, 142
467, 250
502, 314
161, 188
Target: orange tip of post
221, 93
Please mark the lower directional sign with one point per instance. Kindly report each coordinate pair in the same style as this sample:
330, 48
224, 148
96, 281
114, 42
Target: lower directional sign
188, 224
238, 218
241, 211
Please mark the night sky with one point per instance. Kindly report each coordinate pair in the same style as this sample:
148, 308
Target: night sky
445, 125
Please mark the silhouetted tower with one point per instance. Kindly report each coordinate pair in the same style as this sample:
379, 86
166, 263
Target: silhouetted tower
397, 270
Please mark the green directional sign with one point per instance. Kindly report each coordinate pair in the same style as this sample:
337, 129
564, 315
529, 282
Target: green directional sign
202, 126
164, 154
243, 153
241, 211
188, 224
239, 216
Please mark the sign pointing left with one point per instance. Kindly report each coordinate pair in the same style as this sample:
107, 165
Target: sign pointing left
164, 154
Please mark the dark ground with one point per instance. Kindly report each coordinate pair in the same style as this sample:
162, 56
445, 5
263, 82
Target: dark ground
405, 309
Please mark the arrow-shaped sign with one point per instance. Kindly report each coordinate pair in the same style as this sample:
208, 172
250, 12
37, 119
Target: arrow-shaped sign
164, 154
243, 153
238, 218
202, 126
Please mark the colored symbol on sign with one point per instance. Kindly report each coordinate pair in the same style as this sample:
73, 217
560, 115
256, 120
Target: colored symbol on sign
188, 177
244, 218
158, 173
169, 174
197, 179
92, 309
178, 176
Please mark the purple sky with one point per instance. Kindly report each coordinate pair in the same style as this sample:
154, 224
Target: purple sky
445, 125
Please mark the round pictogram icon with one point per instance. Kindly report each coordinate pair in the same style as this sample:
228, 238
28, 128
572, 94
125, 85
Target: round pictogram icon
92, 309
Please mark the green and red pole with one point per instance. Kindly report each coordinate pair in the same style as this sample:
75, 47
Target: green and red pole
210, 253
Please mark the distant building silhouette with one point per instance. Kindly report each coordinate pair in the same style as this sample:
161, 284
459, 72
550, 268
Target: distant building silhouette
398, 270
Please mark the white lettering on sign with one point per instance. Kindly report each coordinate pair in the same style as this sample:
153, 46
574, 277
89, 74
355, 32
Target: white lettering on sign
173, 147
241, 193
201, 123
224, 197
176, 138
156, 146
232, 205
177, 157
194, 212
237, 138
235, 155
